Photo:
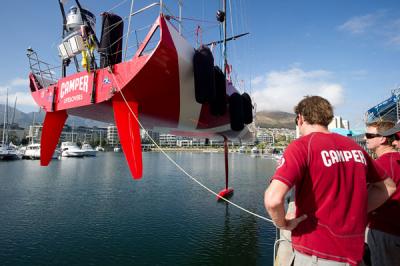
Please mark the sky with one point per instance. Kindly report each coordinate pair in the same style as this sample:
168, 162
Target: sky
347, 51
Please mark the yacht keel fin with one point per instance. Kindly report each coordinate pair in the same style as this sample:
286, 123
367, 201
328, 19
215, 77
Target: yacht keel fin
129, 133
52, 127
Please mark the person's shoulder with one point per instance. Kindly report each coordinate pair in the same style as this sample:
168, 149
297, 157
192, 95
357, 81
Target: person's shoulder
344, 139
300, 141
388, 157
298, 145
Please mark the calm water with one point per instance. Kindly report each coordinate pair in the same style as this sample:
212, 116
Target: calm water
90, 212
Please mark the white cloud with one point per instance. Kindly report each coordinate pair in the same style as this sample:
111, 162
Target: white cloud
257, 80
16, 84
17, 87
19, 82
359, 24
283, 90
395, 40
24, 100
381, 25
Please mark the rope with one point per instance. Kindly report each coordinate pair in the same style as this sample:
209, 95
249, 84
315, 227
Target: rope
117, 5
231, 20
179, 167
194, 19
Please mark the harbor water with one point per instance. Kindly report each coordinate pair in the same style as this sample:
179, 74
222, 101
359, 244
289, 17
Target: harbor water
90, 212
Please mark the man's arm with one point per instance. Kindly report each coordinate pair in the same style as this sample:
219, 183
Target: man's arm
274, 199
379, 192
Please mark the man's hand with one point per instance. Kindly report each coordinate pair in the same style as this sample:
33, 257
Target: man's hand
291, 222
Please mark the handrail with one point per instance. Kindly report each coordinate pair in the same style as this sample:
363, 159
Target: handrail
41, 69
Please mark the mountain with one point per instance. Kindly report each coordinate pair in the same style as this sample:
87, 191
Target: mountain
24, 120
275, 119
266, 119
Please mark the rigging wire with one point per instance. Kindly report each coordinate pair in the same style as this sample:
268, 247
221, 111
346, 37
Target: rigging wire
128, 31
117, 5
231, 20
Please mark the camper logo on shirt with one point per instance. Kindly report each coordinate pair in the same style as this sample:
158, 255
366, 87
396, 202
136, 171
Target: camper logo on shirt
336, 156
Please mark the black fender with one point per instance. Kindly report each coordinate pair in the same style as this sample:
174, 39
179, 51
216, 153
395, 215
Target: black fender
247, 109
236, 111
219, 105
203, 70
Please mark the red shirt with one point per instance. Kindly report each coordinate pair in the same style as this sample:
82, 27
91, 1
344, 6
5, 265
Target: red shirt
330, 173
386, 218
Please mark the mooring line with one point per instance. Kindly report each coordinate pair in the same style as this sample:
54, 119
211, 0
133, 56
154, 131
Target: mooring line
179, 167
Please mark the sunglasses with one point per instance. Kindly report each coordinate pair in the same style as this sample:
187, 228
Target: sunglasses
372, 135
296, 120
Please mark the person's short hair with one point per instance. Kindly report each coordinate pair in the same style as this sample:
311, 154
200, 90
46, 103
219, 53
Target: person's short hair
315, 110
381, 127
393, 131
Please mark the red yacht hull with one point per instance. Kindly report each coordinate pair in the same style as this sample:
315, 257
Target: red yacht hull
157, 88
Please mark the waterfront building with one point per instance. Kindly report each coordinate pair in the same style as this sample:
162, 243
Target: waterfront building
265, 136
99, 133
168, 140
184, 142
339, 122
196, 142
146, 138
112, 135
76, 134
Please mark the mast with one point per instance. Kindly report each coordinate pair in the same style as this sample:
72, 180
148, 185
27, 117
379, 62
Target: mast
180, 16
64, 62
33, 126
13, 116
4, 124
224, 29
129, 30
6, 117
72, 132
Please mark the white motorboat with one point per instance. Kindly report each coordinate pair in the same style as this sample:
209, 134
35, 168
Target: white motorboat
242, 149
99, 148
32, 151
71, 149
255, 152
88, 150
8, 152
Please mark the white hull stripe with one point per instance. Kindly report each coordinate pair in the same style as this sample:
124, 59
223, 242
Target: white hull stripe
189, 112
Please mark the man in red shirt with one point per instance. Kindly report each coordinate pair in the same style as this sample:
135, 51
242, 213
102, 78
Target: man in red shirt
330, 174
384, 222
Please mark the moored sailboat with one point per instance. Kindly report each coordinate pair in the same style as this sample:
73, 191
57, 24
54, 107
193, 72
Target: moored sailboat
7, 150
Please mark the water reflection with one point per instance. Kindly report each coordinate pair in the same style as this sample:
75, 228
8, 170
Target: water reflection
90, 211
